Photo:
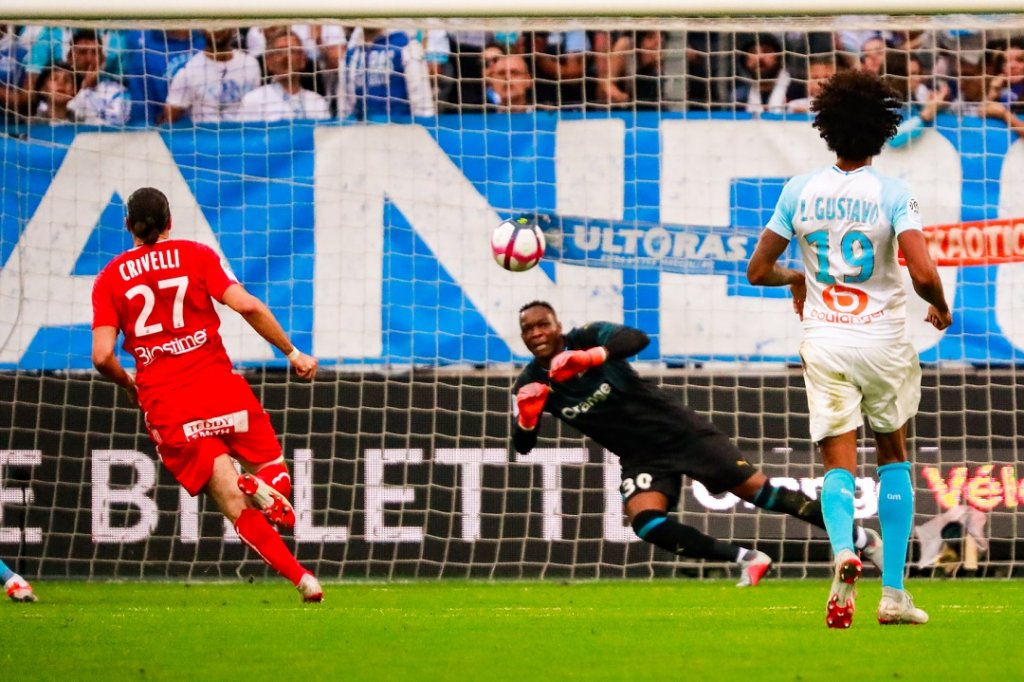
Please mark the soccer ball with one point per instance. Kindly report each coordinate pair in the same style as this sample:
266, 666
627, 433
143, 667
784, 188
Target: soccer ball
517, 244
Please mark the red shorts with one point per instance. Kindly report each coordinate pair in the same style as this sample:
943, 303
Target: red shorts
195, 424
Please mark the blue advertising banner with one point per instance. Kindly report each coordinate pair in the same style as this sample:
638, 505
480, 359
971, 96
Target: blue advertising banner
663, 247
370, 242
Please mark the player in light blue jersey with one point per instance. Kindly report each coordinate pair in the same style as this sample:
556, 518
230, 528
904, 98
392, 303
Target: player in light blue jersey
848, 220
17, 588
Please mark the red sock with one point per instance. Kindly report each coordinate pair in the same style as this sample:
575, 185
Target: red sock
276, 475
254, 529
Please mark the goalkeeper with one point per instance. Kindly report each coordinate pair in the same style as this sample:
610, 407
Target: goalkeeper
582, 378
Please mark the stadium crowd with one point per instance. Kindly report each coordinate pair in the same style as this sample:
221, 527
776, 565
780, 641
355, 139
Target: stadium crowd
119, 77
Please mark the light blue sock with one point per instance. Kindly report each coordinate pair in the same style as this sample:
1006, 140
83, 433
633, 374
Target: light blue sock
837, 507
5, 573
896, 516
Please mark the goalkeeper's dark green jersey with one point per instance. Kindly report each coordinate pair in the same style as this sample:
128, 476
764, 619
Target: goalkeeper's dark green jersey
627, 414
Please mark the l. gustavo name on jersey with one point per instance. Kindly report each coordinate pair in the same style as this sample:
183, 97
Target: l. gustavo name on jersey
176, 346
236, 422
573, 411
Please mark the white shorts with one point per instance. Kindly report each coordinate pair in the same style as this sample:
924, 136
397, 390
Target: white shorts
842, 382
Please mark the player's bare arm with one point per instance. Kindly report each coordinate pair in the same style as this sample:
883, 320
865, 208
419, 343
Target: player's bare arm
104, 358
170, 114
764, 270
925, 277
259, 317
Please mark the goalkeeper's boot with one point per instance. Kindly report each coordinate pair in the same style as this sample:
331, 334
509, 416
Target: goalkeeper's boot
309, 588
273, 504
19, 590
897, 608
839, 610
873, 550
753, 566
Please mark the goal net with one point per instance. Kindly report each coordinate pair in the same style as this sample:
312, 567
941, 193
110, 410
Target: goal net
351, 172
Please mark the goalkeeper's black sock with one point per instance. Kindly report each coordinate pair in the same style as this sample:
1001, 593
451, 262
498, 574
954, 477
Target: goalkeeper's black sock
793, 502
797, 504
656, 528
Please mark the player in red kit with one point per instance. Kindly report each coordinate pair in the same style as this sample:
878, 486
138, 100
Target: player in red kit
198, 412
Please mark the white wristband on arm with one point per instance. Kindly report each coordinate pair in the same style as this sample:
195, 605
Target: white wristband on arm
294, 355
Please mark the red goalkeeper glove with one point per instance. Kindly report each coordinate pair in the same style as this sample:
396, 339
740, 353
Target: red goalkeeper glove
569, 363
530, 401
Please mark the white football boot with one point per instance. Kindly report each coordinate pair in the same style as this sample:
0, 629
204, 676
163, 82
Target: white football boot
753, 568
897, 608
309, 588
839, 610
19, 590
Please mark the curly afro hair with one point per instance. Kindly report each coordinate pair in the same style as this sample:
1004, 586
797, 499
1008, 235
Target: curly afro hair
856, 113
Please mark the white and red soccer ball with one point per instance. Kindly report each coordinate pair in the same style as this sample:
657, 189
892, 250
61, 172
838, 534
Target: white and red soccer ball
517, 244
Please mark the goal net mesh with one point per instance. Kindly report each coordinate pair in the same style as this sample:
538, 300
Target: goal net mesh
351, 173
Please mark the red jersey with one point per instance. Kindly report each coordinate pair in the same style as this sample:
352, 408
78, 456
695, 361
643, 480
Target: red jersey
160, 297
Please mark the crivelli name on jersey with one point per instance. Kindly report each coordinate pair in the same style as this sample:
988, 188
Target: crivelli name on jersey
152, 260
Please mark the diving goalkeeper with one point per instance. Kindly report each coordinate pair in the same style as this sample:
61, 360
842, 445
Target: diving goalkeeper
582, 378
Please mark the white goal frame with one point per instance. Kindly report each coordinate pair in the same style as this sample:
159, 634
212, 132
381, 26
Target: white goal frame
318, 9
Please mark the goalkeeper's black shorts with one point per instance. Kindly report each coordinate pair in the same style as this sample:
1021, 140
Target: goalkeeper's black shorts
709, 457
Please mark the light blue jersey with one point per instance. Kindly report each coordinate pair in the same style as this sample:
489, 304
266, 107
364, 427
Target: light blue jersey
846, 224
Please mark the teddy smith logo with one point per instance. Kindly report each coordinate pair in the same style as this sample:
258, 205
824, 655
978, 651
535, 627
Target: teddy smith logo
236, 422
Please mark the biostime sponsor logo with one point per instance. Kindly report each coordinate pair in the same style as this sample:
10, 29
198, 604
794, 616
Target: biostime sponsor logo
176, 346
236, 422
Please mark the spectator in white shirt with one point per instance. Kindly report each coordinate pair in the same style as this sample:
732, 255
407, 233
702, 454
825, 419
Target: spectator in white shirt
100, 100
211, 85
283, 98
325, 46
321, 42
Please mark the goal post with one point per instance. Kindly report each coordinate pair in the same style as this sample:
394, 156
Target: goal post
655, 165
58, 10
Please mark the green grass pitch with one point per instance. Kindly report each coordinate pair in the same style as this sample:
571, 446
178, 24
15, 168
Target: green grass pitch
528, 630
